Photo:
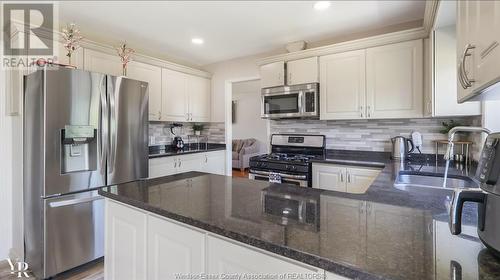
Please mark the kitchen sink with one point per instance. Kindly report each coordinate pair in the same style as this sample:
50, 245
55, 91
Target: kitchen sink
409, 181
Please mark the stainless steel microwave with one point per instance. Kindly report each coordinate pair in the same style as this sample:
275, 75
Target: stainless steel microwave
299, 101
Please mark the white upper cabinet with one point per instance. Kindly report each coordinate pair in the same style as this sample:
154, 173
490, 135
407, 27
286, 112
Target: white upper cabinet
174, 95
199, 99
102, 62
302, 71
342, 90
478, 48
152, 75
185, 97
394, 80
444, 92
272, 74
487, 42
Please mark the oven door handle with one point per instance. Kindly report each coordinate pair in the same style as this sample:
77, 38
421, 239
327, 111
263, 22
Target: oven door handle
283, 175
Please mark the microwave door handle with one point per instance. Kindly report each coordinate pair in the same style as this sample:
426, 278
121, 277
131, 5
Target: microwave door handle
301, 101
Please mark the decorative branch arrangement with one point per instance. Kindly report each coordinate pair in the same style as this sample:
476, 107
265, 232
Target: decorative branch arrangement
125, 55
72, 38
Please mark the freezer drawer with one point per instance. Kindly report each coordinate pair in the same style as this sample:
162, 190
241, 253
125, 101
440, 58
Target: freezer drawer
74, 231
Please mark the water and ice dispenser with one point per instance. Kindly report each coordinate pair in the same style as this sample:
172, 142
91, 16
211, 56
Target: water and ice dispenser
78, 148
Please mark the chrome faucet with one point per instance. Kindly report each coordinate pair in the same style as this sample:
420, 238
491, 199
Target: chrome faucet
453, 131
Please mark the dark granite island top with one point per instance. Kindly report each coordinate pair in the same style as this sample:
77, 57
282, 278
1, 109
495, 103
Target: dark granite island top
385, 233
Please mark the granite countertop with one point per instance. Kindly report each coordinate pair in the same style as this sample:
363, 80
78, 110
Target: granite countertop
385, 233
167, 150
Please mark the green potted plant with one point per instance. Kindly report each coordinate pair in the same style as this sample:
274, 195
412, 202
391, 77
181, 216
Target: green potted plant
197, 128
447, 126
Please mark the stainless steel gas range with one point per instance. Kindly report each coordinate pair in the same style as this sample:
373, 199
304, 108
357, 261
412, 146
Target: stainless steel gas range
289, 160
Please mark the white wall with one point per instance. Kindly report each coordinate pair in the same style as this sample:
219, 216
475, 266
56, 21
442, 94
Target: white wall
248, 121
235, 70
223, 75
5, 172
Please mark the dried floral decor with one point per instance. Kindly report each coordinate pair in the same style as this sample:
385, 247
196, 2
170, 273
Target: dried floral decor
125, 55
72, 38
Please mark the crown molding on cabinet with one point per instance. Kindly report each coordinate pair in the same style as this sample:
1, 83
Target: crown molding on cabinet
368, 42
17, 27
430, 13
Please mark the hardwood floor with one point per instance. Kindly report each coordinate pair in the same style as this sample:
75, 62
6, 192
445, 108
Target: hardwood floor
238, 173
90, 271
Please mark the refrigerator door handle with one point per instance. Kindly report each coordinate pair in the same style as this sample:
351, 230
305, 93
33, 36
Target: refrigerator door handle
68, 202
103, 126
112, 126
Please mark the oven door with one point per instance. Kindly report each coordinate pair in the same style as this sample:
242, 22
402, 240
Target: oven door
298, 180
282, 105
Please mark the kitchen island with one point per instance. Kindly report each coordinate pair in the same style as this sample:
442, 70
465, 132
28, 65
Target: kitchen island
193, 223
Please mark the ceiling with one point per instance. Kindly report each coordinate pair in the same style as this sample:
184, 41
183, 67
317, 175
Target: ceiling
230, 29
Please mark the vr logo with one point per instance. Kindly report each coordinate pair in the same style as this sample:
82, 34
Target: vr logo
36, 19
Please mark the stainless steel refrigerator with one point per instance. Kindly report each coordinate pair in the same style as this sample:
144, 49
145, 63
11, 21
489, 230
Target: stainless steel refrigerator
82, 131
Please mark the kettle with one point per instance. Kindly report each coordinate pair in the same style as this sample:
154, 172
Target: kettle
401, 147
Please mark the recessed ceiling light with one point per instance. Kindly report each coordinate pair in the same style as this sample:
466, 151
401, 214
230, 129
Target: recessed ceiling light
321, 5
197, 41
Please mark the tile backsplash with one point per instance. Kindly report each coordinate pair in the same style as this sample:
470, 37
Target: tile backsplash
159, 132
371, 135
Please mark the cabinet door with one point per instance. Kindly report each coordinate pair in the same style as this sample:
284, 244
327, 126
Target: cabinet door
466, 28
302, 71
272, 74
191, 162
76, 56
342, 86
174, 96
215, 162
487, 43
125, 233
224, 257
152, 75
173, 250
360, 179
102, 62
348, 242
394, 236
394, 80
328, 177
162, 166
445, 65
199, 99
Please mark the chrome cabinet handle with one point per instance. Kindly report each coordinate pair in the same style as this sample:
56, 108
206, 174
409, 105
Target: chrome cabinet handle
206, 159
460, 77
368, 111
341, 177
468, 82
348, 177
180, 162
159, 115
175, 163
361, 110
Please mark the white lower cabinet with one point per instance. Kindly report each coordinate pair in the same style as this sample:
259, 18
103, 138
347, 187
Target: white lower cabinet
209, 162
226, 257
141, 245
342, 178
125, 242
173, 250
